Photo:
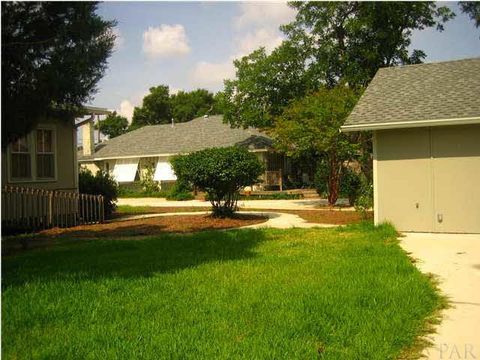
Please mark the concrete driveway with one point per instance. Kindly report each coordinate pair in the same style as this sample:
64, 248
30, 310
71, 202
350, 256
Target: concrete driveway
455, 258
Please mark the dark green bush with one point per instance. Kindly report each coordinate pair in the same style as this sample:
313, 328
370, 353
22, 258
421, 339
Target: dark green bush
99, 184
180, 196
350, 185
365, 198
321, 179
221, 173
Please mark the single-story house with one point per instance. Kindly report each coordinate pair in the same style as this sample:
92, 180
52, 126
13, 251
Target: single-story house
425, 121
128, 156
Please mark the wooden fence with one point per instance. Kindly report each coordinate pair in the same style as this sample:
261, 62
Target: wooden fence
27, 209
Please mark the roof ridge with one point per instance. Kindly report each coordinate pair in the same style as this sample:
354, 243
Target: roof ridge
426, 64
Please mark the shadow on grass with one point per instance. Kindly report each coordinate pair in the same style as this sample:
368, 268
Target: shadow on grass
95, 259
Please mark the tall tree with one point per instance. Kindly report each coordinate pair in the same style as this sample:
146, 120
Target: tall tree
189, 105
114, 125
155, 109
311, 126
53, 55
328, 43
472, 9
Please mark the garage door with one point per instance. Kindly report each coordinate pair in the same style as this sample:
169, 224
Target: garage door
456, 178
428, 179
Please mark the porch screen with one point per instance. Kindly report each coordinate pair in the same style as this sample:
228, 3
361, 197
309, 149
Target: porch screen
125, 170
164, 171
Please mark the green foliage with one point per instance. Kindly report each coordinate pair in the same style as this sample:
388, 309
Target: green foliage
320, 180
149, 185
155, 108
350, 185
221, 173
53, 55
100, 184
114, 125
364, 201
180, 191
312, 126
159, 107
349, 41
263, 86
472, 9
189, 105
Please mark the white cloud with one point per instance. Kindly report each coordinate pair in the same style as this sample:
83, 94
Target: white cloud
210, 75
126, 109
257, 25
265, 14
268, 38
165, 41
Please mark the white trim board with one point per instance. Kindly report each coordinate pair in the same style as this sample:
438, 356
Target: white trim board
410, 124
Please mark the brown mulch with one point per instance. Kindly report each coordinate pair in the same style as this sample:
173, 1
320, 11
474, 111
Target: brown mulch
155, 225
162, 210
128, 229
327, 216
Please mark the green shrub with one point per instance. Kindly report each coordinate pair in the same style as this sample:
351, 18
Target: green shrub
221, 173
149, 185
134, 190
365, 198
100, 184
180, 196
320, 180
350, 185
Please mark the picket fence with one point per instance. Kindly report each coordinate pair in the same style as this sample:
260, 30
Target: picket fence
28, 209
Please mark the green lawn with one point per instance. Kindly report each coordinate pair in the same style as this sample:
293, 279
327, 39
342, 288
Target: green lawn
346, 293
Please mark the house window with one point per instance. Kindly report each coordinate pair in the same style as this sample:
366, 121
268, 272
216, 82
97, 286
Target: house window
45, 154
21, 162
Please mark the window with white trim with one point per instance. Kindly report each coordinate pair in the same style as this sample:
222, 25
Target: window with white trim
45, 154
21, 159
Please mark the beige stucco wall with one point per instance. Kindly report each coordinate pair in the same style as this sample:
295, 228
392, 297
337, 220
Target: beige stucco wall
427, 179
65, 157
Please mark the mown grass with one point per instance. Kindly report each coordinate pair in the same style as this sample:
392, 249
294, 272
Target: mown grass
347, 293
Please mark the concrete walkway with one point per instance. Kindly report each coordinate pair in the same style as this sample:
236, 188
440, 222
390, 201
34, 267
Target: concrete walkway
301, 204
455, 258
275, 220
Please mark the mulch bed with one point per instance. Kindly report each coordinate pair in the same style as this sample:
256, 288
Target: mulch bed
327, 216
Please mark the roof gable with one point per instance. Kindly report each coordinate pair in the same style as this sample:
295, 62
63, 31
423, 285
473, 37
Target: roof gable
424, 94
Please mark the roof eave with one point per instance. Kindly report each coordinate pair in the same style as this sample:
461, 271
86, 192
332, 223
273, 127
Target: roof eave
410, 124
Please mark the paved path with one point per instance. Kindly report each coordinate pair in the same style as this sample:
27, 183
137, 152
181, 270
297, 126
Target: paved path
301, 204
275, 220
455, 258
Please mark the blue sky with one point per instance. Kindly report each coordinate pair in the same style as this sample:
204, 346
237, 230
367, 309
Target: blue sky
187, 45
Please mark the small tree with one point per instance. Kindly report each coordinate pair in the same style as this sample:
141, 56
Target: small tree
221, 173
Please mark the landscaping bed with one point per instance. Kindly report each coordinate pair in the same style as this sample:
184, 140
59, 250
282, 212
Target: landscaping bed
320, 216
344, 293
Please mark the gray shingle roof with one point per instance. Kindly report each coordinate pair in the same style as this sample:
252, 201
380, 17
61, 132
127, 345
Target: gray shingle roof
424, 92
198, 134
